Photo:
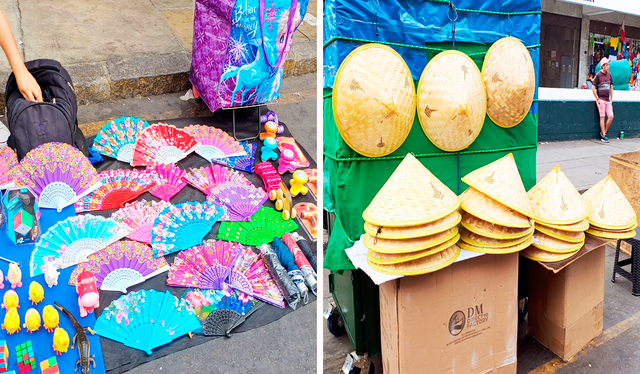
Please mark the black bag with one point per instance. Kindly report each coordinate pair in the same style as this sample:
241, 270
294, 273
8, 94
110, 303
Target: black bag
54, 120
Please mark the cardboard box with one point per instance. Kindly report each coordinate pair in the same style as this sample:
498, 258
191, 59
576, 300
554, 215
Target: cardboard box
624, 168
565, 300
461, 319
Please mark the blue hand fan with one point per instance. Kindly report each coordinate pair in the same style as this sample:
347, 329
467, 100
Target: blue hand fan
243, 163
146, 319
183, 226
71, 241
117, 138
220, 311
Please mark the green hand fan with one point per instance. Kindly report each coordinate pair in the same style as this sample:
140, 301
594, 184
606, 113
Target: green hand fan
264, 225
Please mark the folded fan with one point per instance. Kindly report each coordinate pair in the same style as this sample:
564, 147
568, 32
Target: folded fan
243, 163
239, 200
265, 224
168, 179
71, 241
205, 178
140, 215
117, 138
205, 266
8, 166
118, 187
251, 276
162, 144
220, 311
214, 143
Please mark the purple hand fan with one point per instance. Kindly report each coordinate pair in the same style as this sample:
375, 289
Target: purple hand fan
239, 200
205, 266
140, 215
168, 180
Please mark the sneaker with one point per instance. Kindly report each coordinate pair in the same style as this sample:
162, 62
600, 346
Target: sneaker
604, 139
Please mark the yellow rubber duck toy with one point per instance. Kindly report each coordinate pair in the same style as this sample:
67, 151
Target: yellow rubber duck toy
32, 321
50, 317
36, 293
11, 321
60, 341
10, 300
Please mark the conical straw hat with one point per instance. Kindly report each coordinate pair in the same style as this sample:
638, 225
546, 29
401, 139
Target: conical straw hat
496, 251
412, 196
608, 207
551, 244
555, 200
482, 206
567, 236
536, 254
632, 226
484, 242
387, 259
451, 101
490, 230
510, 81
374, 100
408, 245
430, 228
576, 227
611, 234
500, 180
423, 265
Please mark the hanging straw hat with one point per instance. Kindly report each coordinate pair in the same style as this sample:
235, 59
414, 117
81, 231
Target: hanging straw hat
496, 251
608, 207
408, 245
567, 236
388, 259
500, 180
490, 230
551, 244
555, 200
484, 242
486, 208
535, 254
576, 227
374, 100
411, 196
612, 234
510, 81
430, 228
451, 101
423, 265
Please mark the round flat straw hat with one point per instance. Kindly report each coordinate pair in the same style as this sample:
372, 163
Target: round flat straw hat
374, 100
632, 226
486, 208
551, 244
510, 81
451, 101
496, 251
412, 196
611, 234
567, 236
536, 254
555, 200
608, 207
580, 226
490, 230
409, 232
387, 259
408, 245
500, 180
484, 242
423, 265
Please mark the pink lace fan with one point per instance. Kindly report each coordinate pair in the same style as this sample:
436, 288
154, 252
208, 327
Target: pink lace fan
206, 178
8, 167
140, 215
118, 187
239, 200
251, 276
162, 144
205, 266
168, 180
215, 143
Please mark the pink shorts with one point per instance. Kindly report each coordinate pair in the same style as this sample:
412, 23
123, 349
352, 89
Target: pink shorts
605, 107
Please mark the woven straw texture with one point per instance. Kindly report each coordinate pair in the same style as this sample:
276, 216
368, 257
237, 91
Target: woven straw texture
408, 245
413, 231
580, 226
496, 251
388, 259
423, 265
412, 196
536, 254
484, 242
486, 208
555, 200
500, 180
608, 207
620, 229
451, 101
567, 236
510, 80
612, 234
374, 100
488, 229
551, 244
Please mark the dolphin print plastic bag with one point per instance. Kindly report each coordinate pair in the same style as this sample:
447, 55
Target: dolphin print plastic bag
239, 49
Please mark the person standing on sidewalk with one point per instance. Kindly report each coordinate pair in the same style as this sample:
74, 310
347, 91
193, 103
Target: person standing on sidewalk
602, 89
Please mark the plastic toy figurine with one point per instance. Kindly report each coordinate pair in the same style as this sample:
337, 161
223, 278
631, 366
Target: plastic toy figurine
1, 279
14, 275
85, 359
87, 290
50, 317
270, 129
297, 183
271, 125
51, 274
285, 163
11, 321
60, 341
10, 300
267, 152
32, 320
36, 293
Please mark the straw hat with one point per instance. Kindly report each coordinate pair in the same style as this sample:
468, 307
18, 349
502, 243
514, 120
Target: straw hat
500, 180
576, 227
555, 200
423, 265
551, 244
412, 196
408, 245
413, 231
632, 226
387, 259
535, 254
496, 251
484, 242
608, 207
486, 208
510, 81
490, 230
567, 236
451, 101
612, 234
374, 100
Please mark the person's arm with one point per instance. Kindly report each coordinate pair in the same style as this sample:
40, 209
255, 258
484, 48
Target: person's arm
594, 84
26, 82
611, 92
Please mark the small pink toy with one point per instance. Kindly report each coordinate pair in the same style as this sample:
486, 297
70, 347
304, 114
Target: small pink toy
285, 163
88, 298
14, 275
1, 279
10, 300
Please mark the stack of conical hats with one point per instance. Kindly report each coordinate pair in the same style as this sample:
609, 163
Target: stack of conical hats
496, 211
610, 214
559, 214
411, 224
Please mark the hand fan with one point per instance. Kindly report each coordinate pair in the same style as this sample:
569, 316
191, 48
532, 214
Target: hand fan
182, 226
243, 163
8, 166
162, 144
206, 178
69, 242
121, 265
168, 180
204, 266
59, 175
239, 200
251, 276
265, 225
117, 138
140, 215
118, 187
214, 143
145, 320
